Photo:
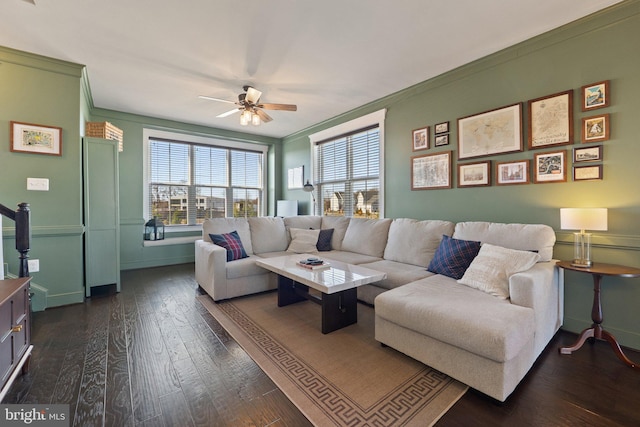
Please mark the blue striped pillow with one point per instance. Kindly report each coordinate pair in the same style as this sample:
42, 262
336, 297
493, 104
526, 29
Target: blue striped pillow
232, 243
453, 257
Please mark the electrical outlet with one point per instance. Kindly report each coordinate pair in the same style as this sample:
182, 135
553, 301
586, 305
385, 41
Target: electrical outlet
34, 265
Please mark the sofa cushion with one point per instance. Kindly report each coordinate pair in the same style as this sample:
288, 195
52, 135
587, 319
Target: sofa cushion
453, 257
268, 234
303, 221
491, 269
415, 242
244, 267
398, 273
366, 236
349, 257
303, 240
525, 237
324, 240
464, 317
227, 225
339, 225
232, 243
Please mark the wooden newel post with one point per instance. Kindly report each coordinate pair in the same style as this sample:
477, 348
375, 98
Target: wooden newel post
23, 237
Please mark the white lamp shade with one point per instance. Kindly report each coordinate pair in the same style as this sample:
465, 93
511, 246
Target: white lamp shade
287, 208
583, 219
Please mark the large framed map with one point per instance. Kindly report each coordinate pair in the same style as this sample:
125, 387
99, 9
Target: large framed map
551, 120
493, 132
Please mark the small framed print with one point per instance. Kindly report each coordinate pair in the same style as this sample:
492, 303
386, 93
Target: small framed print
512, 173
440, 128
431, 171
587, 154
551, 120
595, 95
595, 128
550, 167
586, 173
474, 174
37, 139
420, 139
441, 140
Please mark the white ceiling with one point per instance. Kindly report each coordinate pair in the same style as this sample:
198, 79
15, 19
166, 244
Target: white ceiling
154, 57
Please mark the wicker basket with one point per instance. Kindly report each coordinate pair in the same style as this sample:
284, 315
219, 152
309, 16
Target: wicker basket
105, 130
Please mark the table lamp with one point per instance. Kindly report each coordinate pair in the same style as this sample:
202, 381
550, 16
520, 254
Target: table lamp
583, 219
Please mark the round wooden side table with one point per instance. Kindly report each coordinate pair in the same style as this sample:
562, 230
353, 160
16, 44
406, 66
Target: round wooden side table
597, 271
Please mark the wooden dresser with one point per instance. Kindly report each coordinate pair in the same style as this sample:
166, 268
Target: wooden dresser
15, 330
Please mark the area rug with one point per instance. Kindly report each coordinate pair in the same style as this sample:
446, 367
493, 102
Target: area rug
345, 378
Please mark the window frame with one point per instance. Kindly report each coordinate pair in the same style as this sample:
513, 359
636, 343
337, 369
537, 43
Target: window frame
150, 134
367, 121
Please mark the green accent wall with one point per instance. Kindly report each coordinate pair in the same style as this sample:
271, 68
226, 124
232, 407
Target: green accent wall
44, 91
600, 47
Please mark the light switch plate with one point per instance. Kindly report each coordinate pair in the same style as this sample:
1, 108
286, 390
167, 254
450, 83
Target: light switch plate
38, 184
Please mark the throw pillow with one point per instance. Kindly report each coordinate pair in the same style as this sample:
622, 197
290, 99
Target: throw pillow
303, 241
453, 257
491, 269
324, 240
232, 243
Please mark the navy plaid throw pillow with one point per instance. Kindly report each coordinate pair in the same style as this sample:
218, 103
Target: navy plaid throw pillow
453, 257
232, 243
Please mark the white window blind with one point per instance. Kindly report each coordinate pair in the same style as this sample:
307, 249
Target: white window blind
190, 182
347, 174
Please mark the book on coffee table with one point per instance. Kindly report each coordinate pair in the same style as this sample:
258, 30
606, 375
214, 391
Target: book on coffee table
318, 265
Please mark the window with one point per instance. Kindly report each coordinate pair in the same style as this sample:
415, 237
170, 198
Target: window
347, 169
190, 179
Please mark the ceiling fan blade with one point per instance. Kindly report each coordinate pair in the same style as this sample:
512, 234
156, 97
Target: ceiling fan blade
285, 107
209, 98
253, 95
228, 113
263, 116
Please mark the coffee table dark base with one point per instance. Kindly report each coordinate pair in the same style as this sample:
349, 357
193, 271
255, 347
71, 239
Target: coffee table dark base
339, 309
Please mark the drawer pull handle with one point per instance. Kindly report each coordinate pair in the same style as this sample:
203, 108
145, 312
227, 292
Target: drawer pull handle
17, 328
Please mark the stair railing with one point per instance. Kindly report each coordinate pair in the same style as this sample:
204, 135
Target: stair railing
22, 218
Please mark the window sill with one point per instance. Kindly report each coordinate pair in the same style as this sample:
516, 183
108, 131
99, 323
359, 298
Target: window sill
171, 241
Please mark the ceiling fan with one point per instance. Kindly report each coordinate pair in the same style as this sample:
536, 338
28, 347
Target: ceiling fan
250, 106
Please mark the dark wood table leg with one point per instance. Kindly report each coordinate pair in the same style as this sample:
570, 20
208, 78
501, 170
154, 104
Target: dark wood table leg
339, 310
290, 291
596, 331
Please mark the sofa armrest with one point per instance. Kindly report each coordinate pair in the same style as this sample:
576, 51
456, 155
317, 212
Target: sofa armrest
211, 269
540, 288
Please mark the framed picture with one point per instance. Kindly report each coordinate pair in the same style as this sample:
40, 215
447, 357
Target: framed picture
550, 167
595, 128
587, 154
585, 173
474, 174
431, 171
441, 140
421, 139
441, 128
493, 132
38, 139
512, 173
551, 120
595, 95
295, 177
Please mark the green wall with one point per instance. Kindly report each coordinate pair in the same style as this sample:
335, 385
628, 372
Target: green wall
44, 91
601, 47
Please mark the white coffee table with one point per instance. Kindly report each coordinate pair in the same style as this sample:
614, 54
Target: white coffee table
337, 286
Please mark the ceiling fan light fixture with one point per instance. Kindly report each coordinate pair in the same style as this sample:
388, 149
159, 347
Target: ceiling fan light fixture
255, 120
245, 117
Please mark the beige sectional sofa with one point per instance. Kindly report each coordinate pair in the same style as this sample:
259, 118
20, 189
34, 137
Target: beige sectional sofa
486, 341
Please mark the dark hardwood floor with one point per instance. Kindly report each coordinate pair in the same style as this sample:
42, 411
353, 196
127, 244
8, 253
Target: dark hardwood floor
153, 356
